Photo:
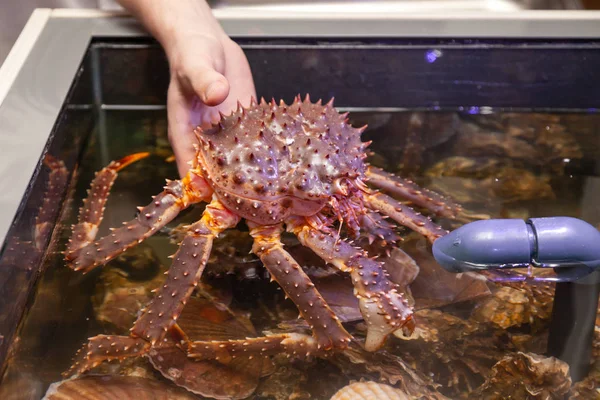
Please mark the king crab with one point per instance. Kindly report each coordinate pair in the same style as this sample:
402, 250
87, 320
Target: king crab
297, 167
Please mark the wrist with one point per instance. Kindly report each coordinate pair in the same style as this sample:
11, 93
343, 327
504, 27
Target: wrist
179, 33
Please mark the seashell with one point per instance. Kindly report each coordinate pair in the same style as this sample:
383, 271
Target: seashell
369, 391
115, 387
526, 376
202, 320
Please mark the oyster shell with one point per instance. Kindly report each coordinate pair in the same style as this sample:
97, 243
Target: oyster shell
457, 354
515, 305
526, 376
589, 387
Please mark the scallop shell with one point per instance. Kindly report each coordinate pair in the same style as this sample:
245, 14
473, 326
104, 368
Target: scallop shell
369, 391
115, 387
204, 320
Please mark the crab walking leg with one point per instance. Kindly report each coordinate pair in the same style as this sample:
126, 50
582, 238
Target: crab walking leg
383, 307
292, 344
162, 312
92, 211
407, 189
326, 326
375, 226
44, 222
106, 348
404, 215
85, 254
183, 275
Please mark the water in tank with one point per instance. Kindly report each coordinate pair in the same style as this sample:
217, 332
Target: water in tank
499, 129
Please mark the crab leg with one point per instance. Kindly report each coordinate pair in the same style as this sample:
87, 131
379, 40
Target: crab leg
375, 226
25, 253
49, 209
85, 254
326, 326
384, 308
407, 189
162, 312
106, 348
92, 211
292, 344
184, 274
404, 215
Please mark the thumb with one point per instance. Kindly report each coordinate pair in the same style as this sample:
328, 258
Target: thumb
209, 85
200, 71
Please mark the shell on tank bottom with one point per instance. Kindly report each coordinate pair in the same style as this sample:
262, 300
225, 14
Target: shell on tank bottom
115, 387
369, 391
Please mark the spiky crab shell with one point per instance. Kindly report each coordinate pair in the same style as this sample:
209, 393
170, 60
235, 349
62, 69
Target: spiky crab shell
269, 161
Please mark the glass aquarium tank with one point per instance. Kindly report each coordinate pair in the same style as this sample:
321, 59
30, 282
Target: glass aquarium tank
496, 114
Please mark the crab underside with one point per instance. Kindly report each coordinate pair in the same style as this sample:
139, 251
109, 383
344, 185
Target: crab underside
279, 167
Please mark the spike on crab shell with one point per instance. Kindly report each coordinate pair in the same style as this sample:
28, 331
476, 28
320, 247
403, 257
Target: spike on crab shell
330, 102
362, 129
307, 98
198, 132
252, 101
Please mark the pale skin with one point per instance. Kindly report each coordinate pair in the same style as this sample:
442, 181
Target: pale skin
209, 71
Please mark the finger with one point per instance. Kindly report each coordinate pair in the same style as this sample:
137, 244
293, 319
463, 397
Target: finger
239, 75
209, 85
180, 129
202, 71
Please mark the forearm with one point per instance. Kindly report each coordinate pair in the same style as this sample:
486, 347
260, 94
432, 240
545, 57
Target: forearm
169, 21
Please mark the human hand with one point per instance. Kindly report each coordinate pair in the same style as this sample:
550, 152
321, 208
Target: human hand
209, 71
209, 74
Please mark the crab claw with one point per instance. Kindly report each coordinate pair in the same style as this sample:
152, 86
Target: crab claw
383, 306
379, 327
385, 310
